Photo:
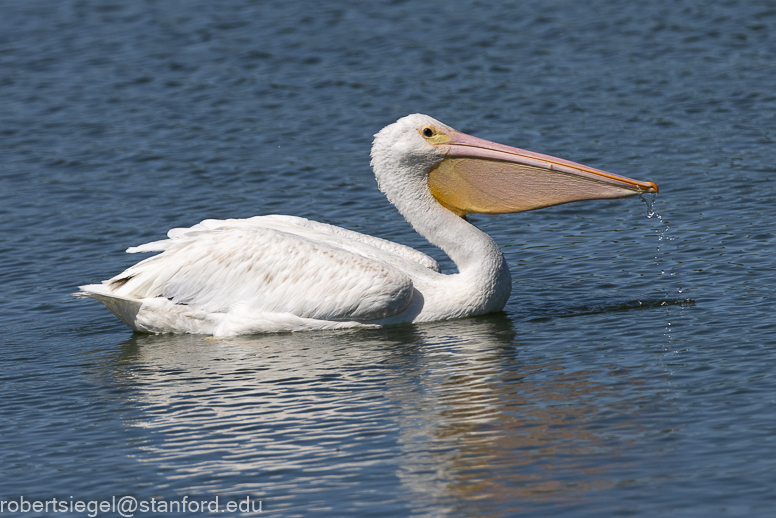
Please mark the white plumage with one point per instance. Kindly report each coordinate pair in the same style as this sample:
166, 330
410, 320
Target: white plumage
284, 273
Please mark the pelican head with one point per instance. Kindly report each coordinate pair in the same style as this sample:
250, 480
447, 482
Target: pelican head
468, 175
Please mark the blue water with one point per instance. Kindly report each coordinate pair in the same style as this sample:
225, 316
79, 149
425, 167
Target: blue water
631, 373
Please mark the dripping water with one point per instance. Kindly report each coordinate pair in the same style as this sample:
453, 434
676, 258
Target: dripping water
668, 275
662, 239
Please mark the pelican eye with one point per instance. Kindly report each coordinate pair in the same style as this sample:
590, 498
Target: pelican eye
428, 132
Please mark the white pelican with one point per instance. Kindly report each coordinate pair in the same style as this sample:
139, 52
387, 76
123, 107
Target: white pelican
284, 273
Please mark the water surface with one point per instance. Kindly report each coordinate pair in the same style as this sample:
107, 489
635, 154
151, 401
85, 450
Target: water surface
631, 373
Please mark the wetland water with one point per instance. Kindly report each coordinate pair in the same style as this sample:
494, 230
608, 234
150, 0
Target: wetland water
631, 373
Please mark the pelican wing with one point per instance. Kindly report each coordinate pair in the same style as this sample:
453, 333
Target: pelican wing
270, 265
302, 227
394, 249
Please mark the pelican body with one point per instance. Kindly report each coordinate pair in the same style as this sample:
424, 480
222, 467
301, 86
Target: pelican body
284, 273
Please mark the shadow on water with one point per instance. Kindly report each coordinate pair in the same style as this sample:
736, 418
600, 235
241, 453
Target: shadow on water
550, 312
458, 411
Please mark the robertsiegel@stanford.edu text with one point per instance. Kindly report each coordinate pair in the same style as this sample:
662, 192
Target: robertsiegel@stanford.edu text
128, 506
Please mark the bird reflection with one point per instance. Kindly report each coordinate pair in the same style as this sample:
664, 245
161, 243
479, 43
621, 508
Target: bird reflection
459, 414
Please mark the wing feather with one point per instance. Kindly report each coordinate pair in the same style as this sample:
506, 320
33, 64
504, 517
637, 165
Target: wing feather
383, 244
217, 265
297, 226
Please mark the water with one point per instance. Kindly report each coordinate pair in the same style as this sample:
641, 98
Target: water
631, 373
